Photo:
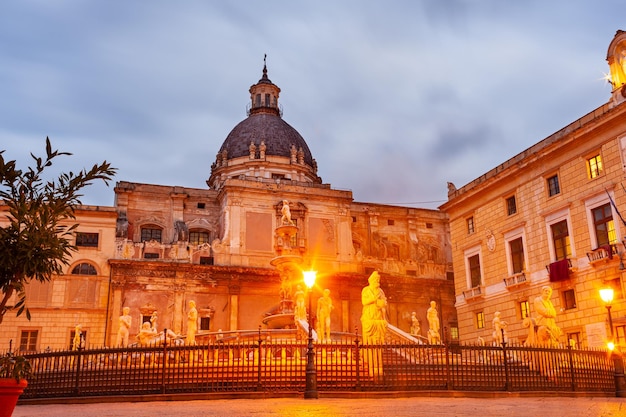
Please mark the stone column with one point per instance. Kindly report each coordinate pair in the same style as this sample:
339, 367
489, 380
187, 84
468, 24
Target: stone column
116, 310
345, 311
177, 320
233, 320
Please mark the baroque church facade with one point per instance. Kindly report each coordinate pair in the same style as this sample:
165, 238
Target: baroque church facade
162, 246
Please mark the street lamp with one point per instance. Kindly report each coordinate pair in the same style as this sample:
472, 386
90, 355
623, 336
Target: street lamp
310, 390
607, 296
620, 381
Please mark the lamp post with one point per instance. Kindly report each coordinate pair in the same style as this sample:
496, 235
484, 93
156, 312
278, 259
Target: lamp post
607, 296
620, 380
310, 390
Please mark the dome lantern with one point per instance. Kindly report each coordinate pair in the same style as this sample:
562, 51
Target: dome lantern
263, 146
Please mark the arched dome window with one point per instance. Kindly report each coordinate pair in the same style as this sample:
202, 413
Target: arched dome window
84, 269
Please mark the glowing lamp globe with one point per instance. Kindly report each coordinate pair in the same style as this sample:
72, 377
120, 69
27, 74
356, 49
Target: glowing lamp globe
309, 278
607, 295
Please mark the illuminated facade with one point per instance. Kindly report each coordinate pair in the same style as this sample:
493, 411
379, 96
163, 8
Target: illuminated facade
551, 215
163, 246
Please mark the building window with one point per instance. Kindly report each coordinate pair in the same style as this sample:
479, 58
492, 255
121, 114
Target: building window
516, 247
620, 334
150, 233
392, 249
199, 237
480, 320
474, 270
511, 205
151, 255
205, 323
560, 238
569, 299
553, 185
429, 225
470, 225
206, 260
38, 292
89, 240
201, 205
604, 225
524, 309
84, 269
390, 222
81, 293
573, 339
594, 166
454, 333
83, 338
28, 340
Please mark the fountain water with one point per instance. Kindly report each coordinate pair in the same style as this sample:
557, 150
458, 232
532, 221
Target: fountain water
287, 315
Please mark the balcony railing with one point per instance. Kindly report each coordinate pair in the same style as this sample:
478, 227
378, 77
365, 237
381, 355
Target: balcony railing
475, 292
515, 280
602, 254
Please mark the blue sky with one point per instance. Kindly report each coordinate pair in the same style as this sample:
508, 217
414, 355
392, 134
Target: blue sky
394, 98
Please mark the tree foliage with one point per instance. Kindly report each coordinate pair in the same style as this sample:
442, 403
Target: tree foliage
36, 243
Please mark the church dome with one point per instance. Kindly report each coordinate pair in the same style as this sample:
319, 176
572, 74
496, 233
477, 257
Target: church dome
279, 137
264, 140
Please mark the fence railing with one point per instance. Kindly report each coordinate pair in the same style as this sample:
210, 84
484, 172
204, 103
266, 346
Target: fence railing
279, 366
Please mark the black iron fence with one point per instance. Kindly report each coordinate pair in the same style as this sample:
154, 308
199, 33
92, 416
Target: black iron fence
279, 366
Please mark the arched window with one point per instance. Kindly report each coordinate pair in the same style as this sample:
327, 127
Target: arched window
81, 290
84, 269
199, 237
150, 232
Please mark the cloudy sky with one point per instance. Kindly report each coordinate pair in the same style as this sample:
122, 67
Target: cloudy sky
394, 98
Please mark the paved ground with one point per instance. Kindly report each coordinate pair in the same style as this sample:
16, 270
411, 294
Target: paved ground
391, 407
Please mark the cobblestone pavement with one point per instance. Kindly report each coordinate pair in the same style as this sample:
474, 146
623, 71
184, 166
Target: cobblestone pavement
392, 407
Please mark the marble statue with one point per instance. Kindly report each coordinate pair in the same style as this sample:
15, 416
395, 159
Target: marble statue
286, 214
299, 311
252, 149
153, 321
546, 328
192, 323
262, 149
374, 314
293, 153
499, 328
434, 335
324, 307
123, 331
415, 325
182, 230
300, 155
78, 333
374, 323
146, 334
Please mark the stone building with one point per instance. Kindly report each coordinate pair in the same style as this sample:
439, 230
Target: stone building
551, 215
164, 246
80, 296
